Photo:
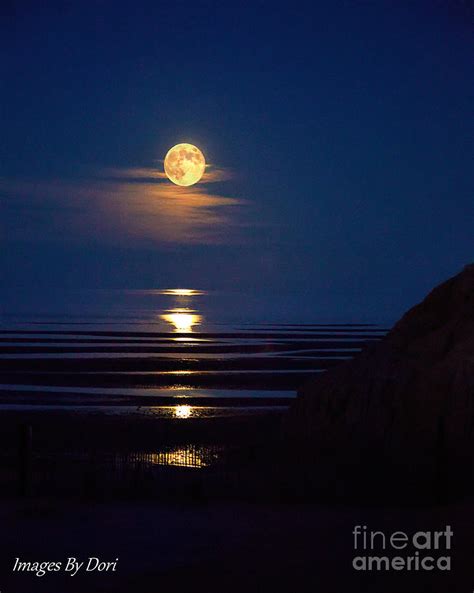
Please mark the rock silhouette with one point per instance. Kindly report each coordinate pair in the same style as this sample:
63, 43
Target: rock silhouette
403, 408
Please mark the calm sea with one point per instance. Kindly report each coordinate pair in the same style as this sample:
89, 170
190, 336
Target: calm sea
185, 350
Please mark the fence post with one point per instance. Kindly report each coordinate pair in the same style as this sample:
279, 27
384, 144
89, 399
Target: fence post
25, 450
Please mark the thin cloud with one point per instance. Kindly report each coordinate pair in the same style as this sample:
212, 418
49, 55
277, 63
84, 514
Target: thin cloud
136, 204
212, 174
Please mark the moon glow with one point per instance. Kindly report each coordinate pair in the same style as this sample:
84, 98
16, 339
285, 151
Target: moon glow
184, 164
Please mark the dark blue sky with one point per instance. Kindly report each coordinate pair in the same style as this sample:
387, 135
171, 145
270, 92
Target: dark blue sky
346, 127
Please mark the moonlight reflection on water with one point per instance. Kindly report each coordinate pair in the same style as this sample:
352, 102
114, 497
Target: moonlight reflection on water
183, 320
183, 411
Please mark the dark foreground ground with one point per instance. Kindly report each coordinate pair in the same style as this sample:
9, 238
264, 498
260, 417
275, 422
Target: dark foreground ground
220, 547
192, 528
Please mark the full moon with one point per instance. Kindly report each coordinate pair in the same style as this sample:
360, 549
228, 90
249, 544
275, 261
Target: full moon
184, 164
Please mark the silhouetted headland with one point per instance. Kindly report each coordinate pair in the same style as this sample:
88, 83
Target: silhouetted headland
399, 416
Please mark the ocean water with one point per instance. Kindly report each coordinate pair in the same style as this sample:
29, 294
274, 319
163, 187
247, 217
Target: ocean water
179, 349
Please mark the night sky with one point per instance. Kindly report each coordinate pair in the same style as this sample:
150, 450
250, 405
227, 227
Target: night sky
338, 133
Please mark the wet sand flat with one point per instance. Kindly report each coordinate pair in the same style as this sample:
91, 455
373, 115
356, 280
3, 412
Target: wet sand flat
245, 359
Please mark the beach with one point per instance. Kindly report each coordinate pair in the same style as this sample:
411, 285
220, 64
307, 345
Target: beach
222, 546
174, 384
160, 450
